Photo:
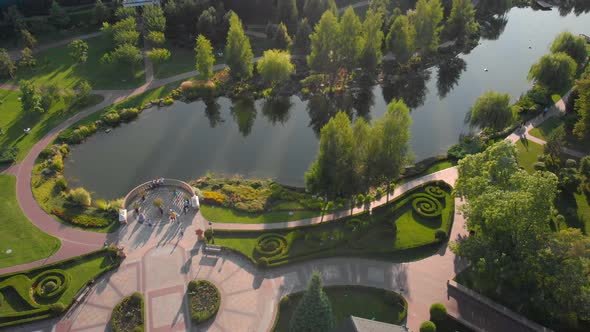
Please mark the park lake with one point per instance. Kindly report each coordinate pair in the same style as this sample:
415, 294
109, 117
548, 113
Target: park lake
280, 139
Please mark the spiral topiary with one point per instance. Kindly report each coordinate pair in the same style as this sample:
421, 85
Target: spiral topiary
269, 245
427, 206
435, 191
51, 284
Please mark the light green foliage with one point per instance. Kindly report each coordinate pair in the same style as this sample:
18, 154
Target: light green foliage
554, 71
350, 40
555, 142
438, 312
491, 111
124, 54
371, 54
287, 11
427, 326
158, 55
26, 58
122, 37
401, 39
314, 9
204, 58
574, 46
125, 12
314, 311
461, 22
238, 52
582, 106
153, 18
28, 39
275, 66
427, 20
80, 196
7, 66
324, 44
101, 12
78, 50
157, 38
58, 16
30, 97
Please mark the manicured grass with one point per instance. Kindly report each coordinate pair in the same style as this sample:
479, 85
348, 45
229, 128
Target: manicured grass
364, 302
548, 126
391, 230
129, 314
226, 215
575, 207
27, 242
438, 166
181, 61
527, 152
55, 66
21, 303
13, 120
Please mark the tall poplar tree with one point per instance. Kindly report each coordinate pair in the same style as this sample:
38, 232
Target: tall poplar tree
238, 52
204, 58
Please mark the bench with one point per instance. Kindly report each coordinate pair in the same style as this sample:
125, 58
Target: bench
214, 249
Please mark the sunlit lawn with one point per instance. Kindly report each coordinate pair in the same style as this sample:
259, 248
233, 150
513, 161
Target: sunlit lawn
527, 154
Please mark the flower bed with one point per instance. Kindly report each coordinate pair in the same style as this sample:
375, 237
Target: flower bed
129, 314
204, 300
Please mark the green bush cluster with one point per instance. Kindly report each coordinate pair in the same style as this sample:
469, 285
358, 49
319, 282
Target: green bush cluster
83, 219
271, 245
199, 89
128, 315
438, 312
51, 283
427, 326
204, 300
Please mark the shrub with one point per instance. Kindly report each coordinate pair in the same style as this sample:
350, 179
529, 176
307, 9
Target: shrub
440, 235
128, 315
112, 118
57, 163
427, 326
539, 166
213, 198
101, 204
128, 114
56, 308
208, 234
198, 89
49, 287
80, 196
438, 312
262, 261
61, 184
204, 300
271, 245
571, 163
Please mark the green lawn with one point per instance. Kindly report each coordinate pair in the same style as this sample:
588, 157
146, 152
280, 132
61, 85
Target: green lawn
22, 302
181, 61
13, 121
364, 302
439, 167
394, 228
27, 242
548, 126
527, 152
226, 215
55, 66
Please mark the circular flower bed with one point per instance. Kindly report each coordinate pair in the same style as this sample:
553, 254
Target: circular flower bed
427, 206
51, 284
270, 245
204, 300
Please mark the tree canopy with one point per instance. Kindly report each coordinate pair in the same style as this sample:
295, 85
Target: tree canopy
204, 58
153, 18
78, 50
314, 311
7, 67
461, 22
314, 9
287, 11
582, 106
574, 46
275, 65
554, 71
427, 20
401, 39
491, 111
324, 44
238, 52
371, 54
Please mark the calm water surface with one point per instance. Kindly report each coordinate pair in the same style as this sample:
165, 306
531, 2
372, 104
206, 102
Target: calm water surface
258, 139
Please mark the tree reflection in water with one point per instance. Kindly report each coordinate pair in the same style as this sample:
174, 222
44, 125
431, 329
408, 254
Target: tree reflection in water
213, 112
411, 87
277, 109
449, 73
243, 111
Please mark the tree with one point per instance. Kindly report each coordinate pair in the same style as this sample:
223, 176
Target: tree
153, 18
26, 58
554, 71
158, 55
330, 174
314, 9
238, 52
82, 91
122, 12
14, 18
426, 20
401, 39
58, 16
101, 12
461, 22
204, 58
314, 311
287, 11
351, 40
28, 39
124, 54
30, 97
122, 37
302, 36
324, 44
574, 46
281, 38
491, 111
275, 66
157, 38
390, 144
361, 132
371, 53
207, 21
582, 106
555, 143
78, 50
7, 67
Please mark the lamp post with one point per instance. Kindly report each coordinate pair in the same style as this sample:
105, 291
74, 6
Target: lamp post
212, 234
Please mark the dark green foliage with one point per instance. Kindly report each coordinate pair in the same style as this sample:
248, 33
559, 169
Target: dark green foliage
281, 38
427, 206
574, 46
302, 36
58, 16
314, 311
314, 9
440, 235
554, 71
129, 314
491, 111
287, 11
203, 299
438, 312
427, 326
461, 22
101, 13
582, 106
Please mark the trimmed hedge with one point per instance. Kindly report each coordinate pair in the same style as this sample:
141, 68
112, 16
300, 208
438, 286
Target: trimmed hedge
427, 206
438, 312
427, 326
271, 245
204, 300
129, 314
60, 279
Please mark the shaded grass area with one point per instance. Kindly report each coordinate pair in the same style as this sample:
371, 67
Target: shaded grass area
364, 302
227, 215
24, 302
575, 207
394, 231
13, 120
55, 66
544, 130
527, 153
27, 242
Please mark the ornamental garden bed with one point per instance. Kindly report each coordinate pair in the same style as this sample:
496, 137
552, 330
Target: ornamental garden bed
204, 300
129, 314
418, 220
365, 302
49, 290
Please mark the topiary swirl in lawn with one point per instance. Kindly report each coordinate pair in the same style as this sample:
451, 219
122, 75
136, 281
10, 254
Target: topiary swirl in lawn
426, 206
270, 245
435, 191
51, 284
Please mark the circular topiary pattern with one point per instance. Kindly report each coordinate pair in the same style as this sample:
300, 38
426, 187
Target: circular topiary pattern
204, 300
270, 245
435, 191
427, 206
51, 284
